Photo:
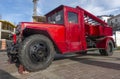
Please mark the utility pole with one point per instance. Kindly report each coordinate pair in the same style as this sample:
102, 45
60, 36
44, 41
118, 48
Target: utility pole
35, 2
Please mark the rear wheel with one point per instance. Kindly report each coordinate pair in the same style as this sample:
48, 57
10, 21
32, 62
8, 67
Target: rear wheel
109, 50
36, 52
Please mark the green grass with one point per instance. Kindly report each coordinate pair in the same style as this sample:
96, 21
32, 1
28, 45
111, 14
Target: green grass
118, 48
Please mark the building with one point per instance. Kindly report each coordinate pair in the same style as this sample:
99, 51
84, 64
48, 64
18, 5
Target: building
6, 28
105, 17
115, 22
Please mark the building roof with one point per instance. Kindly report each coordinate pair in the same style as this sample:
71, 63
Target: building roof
114, 17
104, 16
12, 25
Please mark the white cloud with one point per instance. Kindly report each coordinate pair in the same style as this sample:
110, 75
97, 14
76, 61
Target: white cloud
22, 10
112, 3
100, 7
39, 7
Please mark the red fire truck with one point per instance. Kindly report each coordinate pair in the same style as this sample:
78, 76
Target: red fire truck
67, 30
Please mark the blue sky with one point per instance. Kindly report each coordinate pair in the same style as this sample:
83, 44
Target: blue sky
21, 10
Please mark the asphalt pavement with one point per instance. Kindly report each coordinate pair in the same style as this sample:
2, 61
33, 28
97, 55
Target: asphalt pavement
72, 66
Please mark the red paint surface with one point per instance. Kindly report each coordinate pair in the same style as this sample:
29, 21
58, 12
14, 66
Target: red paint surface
14, 38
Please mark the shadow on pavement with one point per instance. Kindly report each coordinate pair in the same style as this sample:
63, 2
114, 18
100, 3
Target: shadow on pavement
73, 55
98, 63
61, 57
90, 61
6, 75
116, 58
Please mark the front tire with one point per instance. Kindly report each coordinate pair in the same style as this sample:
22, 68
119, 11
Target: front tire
109, 50
36, 53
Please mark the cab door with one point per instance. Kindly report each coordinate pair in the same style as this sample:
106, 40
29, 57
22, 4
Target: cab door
73, 30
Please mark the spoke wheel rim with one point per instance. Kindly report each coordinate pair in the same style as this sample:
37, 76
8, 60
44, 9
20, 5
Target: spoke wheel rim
39, 52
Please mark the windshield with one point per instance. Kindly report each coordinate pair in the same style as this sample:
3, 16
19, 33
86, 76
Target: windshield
56, 18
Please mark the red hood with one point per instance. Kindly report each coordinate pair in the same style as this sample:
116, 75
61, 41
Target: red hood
54, 30
41, 26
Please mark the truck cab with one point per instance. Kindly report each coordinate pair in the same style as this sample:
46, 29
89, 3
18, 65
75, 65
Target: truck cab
66, 30
72, 21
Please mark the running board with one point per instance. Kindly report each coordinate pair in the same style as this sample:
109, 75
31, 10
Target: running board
92, 49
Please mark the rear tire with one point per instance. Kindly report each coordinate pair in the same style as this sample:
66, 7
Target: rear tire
36, 53
109, 50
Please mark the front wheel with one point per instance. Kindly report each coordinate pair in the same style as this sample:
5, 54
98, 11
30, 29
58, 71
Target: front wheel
109, 49
36, 52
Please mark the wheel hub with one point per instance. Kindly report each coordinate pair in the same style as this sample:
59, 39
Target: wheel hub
38, 52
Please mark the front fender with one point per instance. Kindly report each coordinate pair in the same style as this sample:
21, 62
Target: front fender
57, 35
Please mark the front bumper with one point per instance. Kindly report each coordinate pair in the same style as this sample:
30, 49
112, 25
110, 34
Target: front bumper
11, 47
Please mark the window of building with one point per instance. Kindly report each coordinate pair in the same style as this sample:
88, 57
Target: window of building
116, 20
111, 23
72, 17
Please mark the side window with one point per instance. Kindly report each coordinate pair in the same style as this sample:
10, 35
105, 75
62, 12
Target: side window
72, 17
56, 18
